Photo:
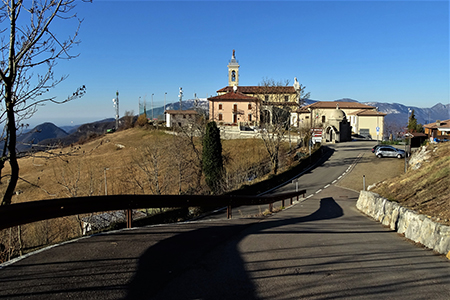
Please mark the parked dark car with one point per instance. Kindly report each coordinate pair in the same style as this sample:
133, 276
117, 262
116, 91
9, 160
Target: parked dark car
389, 151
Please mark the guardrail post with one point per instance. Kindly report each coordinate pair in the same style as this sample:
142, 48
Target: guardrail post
229, 212
291, 201
129, 215
282, 203
270, 207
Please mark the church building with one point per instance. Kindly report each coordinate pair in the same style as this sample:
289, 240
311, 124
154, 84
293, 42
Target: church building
249, 105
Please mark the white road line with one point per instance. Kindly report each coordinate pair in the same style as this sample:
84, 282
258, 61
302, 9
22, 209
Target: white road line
334, 181
309, 196
318, 191
326, 186
339, 177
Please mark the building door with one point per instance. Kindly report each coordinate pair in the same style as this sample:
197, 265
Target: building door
234, 118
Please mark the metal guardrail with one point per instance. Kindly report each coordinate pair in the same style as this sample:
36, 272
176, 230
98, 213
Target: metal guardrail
27, 212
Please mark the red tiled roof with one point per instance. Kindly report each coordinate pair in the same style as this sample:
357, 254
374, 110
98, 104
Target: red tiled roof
281, 103
260, 89
181, 112
233, 96
367, 112
444, 124
418, 134
334, 104
302, 110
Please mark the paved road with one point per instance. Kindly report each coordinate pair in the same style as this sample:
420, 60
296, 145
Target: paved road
336, 162
321, 248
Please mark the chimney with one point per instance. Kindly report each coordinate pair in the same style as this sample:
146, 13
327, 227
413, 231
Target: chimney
438, 122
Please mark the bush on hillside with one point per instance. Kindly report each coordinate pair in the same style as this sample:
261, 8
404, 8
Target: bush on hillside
142, 120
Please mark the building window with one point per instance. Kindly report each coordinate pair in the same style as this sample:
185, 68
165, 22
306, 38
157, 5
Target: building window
220, 105
249, 117
249, 106
306, 117
266, 97
286, 98
323, 119
220, 117
235, 107
233, 75
184, 116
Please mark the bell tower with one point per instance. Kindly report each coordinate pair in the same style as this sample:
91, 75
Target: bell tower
233, 71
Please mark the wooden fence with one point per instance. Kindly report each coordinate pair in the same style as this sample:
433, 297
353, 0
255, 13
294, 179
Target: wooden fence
27, 212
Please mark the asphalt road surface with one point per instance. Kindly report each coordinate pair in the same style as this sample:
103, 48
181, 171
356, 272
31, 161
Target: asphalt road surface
320, 248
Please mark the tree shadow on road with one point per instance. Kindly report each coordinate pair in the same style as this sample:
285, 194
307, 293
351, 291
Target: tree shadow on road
206, 263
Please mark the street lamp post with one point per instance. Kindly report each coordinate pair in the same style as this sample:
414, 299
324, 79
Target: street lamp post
378, 127
152, 107
406, 142
165, 94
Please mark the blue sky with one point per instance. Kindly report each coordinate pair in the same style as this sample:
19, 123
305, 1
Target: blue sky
385, 51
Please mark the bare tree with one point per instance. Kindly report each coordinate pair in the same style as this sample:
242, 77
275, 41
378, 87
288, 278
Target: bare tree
192, 136
153, 162
29, 52
277, 103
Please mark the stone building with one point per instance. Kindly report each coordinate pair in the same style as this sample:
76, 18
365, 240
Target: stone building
364, 120
179, 118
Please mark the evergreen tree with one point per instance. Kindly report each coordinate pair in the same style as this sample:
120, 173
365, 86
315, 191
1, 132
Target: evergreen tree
212, 162
413, 126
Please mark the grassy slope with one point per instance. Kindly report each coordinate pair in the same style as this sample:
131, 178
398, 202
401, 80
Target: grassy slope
425, 190
82, 169
42, 172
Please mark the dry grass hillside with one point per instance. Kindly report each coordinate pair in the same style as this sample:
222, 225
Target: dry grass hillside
425, 187
129, 161
132, 161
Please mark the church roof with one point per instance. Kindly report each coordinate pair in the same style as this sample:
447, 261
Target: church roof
260, 89
368, 112
233, 96
233, 61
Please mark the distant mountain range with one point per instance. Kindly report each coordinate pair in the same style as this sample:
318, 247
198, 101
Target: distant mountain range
158, 112
49, 134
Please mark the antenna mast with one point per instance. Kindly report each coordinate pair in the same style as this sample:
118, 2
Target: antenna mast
181, 96
116, 105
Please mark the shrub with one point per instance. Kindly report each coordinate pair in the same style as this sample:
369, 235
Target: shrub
142, 120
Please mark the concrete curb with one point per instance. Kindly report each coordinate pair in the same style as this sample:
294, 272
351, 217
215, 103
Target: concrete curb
414, 226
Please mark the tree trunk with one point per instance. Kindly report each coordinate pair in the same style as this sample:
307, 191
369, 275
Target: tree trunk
11, 128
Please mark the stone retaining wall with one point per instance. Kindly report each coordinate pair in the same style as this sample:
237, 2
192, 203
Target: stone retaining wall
414, 226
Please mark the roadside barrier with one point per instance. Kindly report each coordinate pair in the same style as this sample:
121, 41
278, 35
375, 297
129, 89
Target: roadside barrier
27, 212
